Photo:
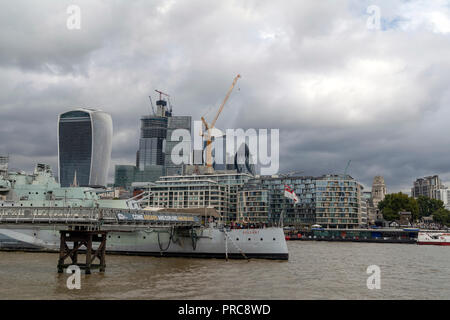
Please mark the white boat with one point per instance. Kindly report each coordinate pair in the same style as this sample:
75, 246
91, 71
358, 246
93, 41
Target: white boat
433, 238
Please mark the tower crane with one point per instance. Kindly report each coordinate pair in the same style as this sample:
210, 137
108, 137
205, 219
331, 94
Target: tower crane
162, 94
161, 104
210, 127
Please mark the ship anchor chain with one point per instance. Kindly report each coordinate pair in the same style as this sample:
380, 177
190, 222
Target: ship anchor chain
171, 234
227, 236
194, 238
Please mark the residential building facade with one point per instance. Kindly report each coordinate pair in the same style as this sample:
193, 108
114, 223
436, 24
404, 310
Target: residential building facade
219, 191
426, 186
333, 201
443, 195
338, 202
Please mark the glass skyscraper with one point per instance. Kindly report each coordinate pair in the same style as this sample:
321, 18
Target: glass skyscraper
152, 142
84, 147
241, 160
174, 123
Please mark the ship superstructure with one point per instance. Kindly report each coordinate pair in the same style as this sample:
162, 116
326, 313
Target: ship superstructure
40, 189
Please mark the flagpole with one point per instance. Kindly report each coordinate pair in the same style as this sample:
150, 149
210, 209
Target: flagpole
280, 223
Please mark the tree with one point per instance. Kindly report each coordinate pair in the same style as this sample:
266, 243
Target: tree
428, 206
396, 202
442, 216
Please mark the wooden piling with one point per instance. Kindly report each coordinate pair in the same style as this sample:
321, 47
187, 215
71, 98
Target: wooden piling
82, 238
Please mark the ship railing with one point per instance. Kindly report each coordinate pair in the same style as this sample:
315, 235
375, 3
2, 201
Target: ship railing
80, 215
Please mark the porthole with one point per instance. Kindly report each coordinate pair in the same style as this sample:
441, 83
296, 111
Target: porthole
274, 239
249, 239
261, 239
237, 239
144, 237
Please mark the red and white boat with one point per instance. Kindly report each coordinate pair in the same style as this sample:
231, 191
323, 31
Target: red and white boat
434, 238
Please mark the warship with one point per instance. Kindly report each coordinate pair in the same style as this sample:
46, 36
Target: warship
40, 193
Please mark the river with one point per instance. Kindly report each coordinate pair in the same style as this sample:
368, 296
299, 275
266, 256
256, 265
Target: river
315, 270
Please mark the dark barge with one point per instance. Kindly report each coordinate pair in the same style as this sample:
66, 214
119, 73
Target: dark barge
356, 235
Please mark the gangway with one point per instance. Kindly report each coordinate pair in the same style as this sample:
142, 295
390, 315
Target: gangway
81, 229
100, 218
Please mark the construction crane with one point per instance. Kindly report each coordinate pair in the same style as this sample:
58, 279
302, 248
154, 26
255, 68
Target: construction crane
209, 127
161, 104
162, 94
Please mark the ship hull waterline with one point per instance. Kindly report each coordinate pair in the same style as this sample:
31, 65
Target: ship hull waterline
266, 243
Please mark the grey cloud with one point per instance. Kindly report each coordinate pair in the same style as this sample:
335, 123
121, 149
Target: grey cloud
336, 90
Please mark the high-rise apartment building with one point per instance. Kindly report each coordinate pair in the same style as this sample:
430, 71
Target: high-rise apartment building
278, 206
443, 195
219, 191
426, 186
333, 201
84, 147
338, 202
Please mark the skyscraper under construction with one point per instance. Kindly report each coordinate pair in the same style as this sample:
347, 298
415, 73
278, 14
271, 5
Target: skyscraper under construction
154, 156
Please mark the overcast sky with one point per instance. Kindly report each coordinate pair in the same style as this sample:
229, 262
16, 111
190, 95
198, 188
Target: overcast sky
337, 89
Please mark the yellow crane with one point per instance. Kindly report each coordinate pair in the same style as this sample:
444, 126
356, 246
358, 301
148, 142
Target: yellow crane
210, 127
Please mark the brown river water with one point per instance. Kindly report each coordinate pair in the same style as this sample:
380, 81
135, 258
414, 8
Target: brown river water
315, 270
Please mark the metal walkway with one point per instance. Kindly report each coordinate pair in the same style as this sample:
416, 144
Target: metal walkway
96, 217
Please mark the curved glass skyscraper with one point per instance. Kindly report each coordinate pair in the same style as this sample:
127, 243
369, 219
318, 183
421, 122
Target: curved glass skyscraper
84, 147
